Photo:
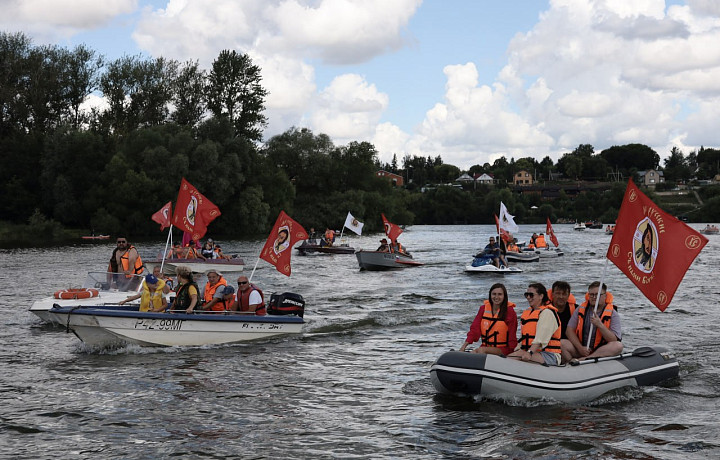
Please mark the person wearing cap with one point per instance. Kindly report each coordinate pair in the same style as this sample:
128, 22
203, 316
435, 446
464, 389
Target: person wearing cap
223, 300
151, 297
384, 247
213, 289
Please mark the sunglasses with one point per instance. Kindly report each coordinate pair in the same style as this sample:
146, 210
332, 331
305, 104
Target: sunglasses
530, 295
240, 283
121, 241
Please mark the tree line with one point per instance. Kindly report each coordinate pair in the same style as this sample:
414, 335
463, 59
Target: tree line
107, 169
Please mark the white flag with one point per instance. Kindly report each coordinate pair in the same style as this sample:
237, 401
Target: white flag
354, 224
506, 220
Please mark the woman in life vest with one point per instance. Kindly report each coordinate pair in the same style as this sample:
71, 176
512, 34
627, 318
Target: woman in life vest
151, 297
187, 294
540, 329
213, 292
495, 324
604, 321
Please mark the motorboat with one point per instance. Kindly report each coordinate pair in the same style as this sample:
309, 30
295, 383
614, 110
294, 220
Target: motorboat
710, 230
496, 377
98, 289
610, 229
524, 256
95, 237
312, 247
377, 260
549, 253
579, 226
234, 264
483, 264
111, 326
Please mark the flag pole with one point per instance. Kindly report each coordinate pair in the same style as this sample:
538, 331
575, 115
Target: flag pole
168, 241
255, 267
597, 301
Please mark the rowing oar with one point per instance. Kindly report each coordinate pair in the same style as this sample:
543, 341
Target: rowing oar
642, 352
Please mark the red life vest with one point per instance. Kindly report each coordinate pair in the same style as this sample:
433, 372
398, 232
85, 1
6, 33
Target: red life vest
529, 320
244, 300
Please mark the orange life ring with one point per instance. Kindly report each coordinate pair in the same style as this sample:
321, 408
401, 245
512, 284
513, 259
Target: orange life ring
81, 293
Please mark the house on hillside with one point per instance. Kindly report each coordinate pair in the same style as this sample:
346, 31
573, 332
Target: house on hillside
396, 179
523, 177
465, 179
651, 177
484, 178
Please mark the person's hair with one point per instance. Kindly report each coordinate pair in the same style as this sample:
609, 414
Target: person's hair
540, 288
645, 256
184, 271
595, 284
562, 285
504, 305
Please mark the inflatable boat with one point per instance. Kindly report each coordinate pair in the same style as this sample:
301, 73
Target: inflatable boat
463, 373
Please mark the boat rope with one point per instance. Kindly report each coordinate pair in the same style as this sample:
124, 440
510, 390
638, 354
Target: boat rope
67, 324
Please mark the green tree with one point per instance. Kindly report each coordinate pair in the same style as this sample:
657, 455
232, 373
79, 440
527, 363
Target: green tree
189, 95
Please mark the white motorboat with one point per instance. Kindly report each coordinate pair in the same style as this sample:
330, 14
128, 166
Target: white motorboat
110, 326
579, 226
524, 256
99, 288
462, 373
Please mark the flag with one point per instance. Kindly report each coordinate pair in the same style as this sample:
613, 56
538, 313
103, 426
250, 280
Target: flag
278, 247
651, 247
551, 233
353, 224
162, 217
193, 212
391, 230
506, 224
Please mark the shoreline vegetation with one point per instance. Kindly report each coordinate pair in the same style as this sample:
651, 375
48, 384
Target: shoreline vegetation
71, 172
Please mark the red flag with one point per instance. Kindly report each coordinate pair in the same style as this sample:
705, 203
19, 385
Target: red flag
551, 233
391, 230
278, 247
504, 234
162, 217
193, 212
651, 247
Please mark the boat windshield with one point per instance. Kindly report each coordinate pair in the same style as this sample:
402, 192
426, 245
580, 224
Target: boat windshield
113, 282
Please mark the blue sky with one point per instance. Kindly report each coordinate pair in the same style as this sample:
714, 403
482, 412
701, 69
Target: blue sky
469, 80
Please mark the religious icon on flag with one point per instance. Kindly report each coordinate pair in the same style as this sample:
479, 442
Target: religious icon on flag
162, 217
551, 233
193, 212
353, 224
285, 233
651, 247
391, 230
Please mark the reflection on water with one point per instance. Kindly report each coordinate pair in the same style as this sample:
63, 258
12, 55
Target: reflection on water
356, 382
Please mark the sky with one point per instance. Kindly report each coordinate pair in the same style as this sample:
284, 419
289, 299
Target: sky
468, 80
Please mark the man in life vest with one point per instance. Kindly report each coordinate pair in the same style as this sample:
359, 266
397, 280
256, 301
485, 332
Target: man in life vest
540, 242
540, 331
565, 303
605, 338
249, 297
395, 246
126, 261
213, 292
223, 301
151, 296
328, 238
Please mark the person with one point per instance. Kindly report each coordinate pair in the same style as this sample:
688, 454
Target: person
384, 247
540, 242
493, 249
175, 251
512, 246
495, 324
328, 238
565, 304
539, 329
312, 236
186, 295
249, 297
164, 282
395, 246
219, 254
191, 252
223, 300
531, 244
151, 297
208, 251
605, 323
281, 242
127, 259
213, 289
643, 255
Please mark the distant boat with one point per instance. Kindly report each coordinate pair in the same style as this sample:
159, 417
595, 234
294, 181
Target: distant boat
579, 226
710, 230
377, 260
96, 237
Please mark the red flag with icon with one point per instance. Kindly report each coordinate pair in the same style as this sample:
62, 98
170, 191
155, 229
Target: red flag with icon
162, 217
551, 233
278, 247
193, 212
391, 230
651, 247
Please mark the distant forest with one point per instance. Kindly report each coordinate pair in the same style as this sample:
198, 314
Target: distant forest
109, 169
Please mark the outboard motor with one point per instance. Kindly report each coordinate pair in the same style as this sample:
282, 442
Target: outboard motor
287, 303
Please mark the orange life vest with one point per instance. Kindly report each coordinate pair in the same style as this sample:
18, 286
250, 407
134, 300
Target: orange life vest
605, 317
529, 321
222, 304
125, 261
210, 289
329, 235
493, 330
540, 241
395, 246
244, 300
512, 247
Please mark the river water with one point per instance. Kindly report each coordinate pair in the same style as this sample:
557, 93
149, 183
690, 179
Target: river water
355, 383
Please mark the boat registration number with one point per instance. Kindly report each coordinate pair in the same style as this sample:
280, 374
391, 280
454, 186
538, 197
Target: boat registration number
159, 324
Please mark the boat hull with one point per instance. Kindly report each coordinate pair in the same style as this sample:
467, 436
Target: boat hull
236, 264
527, 256
113, 326
490, 268
374, 260
460, 373
305, 249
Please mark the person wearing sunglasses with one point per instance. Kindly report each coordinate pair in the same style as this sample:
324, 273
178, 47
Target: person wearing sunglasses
249, 298
540, 329
606, 335
495, 324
